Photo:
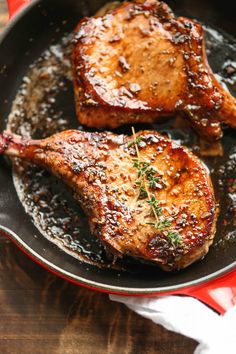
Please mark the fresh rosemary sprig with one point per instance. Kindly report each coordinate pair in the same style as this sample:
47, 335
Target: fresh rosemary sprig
146, 175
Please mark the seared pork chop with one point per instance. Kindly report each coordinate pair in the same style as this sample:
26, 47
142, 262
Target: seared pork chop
139, 63
145, 196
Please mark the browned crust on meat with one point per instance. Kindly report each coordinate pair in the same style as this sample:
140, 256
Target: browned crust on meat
139, 63
99, 167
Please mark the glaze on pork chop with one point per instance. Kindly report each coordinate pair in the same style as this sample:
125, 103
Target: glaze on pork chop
140, 63
106, 172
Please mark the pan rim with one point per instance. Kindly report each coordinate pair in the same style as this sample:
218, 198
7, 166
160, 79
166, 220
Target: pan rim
103, 287
12, 21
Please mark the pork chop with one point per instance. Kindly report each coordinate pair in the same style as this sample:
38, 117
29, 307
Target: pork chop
144, 195
140, 63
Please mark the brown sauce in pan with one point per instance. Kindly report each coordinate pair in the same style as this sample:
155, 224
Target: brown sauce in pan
45, 105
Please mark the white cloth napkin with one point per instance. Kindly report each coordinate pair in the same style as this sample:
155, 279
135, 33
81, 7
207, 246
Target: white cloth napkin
182, 314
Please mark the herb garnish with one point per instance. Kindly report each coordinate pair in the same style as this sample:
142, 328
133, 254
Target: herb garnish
135, 141
155, 205
147, 179
174, 238
160, 225
152, 180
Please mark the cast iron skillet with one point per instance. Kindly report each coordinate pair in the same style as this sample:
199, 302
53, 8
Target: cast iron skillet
213, 280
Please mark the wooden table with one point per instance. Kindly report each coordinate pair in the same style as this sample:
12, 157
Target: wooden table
43, 314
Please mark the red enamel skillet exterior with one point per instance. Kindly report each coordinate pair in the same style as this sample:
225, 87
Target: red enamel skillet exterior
219, 293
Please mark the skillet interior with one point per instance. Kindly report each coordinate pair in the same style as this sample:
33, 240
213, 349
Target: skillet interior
45, 19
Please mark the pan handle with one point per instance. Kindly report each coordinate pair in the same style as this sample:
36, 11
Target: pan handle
219, 294
16, 5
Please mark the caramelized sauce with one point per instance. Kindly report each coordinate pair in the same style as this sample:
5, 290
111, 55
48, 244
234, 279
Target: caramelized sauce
45, 105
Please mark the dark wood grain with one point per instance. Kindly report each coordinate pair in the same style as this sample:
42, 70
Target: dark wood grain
42, 314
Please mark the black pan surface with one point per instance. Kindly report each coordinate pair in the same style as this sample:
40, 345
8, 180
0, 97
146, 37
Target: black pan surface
44, 23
